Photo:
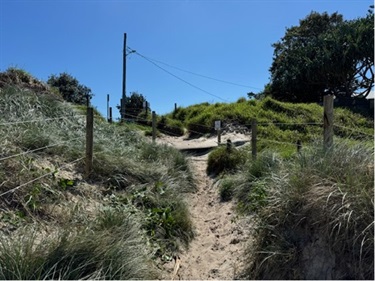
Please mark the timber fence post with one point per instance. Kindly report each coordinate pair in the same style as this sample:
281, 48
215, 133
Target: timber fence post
299, 146
328, 121
89, 140
153, 126
110, 115
254, 139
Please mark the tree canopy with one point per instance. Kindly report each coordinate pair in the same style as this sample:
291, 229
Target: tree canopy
135, 104
324, 54
70, 88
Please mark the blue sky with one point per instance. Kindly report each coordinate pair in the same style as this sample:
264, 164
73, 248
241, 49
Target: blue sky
225, 40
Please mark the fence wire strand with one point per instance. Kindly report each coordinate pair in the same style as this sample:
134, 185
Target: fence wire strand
40, 177
35, 121
38, 149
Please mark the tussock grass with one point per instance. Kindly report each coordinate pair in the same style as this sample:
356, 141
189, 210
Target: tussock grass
114, 252
314, 212
129, 173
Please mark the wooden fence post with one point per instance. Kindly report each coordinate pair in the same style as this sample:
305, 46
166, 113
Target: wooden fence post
110, 115
254, 139
89, 140
328, 121
299, 146
153, 126
218, 129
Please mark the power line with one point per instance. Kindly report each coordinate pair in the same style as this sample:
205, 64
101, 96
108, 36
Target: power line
201, 75
177, 77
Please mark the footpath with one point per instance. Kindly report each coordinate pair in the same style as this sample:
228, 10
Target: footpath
221, 236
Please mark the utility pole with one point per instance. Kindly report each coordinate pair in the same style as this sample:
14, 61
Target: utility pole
123, 81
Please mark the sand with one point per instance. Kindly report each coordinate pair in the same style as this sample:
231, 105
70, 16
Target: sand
221, 235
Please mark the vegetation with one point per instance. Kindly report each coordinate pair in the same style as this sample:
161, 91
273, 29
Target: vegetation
122, 220
223, 159
135, 106
314, 213
324, 54
70, 88
280, 124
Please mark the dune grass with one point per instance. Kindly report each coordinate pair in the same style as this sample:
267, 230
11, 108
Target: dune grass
101, 251
314, 213
279, 123
47, 138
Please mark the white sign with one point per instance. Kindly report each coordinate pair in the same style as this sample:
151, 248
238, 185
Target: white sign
217, 125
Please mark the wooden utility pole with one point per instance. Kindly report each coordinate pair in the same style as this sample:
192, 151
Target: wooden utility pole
89, 140
254, 139
123, 99
328, 121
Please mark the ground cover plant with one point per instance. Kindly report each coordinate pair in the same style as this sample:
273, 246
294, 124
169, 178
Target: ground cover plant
130, 209
280, 124
314, 213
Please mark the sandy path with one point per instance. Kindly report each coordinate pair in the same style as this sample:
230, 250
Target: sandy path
216, 251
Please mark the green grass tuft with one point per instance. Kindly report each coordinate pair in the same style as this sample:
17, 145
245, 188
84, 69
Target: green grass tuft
314, 214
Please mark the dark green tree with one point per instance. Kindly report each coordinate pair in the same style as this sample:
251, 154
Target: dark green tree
324, 54
70, 88
135, 106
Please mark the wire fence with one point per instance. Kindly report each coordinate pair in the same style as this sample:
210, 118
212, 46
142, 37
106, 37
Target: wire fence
31, 152
164, 128
328, 130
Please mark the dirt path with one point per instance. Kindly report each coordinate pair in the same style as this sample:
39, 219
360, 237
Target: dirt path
216, 251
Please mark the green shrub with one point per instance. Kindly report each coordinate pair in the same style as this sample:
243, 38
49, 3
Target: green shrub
226, 190
170, 126
223, 160
70, 88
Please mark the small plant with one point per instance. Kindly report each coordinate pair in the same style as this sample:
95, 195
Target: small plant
226, 190
224, 160
66, 183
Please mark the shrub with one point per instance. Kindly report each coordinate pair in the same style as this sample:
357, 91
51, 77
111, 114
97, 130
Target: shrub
70, 88
226, 190
224, 160
170, 126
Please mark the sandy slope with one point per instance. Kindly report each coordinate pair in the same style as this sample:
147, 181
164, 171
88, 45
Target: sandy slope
216, 251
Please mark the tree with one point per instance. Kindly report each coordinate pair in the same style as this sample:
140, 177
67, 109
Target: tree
70, 88
324, 54
135, 105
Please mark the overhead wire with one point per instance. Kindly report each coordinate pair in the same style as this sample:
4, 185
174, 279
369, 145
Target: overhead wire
201, 75
177, 77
